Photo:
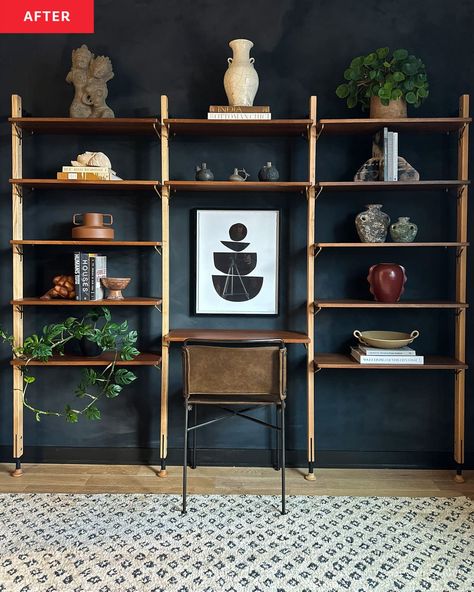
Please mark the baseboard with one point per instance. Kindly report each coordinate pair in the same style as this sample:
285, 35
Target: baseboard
237, 457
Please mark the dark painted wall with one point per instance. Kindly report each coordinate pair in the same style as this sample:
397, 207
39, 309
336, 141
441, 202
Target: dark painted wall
301, 48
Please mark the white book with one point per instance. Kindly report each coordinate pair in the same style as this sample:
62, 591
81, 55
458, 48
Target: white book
389, 157
376, 351
239, 115
387, 360
100, 272
385, 152
395, 157
86, 169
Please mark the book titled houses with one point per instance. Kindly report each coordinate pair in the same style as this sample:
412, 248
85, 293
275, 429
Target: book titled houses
89, 269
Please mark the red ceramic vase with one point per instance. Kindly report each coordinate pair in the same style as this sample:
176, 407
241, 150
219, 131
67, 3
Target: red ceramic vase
387, 281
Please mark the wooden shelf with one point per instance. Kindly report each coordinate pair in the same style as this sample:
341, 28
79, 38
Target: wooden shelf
387, 245
88, 243
143, 359
127, 185
407, 124
348, 303
68, 125
133, 301
390, 185
239, 127
345, 362
230, 334
283, 186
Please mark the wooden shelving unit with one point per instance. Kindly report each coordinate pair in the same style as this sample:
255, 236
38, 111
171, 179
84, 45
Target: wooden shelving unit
460, 126
250, 128
20, 127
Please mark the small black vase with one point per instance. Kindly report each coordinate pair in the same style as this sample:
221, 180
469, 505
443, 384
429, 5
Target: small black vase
89, 349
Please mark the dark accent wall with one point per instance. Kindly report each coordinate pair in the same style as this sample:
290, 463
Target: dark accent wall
302, 47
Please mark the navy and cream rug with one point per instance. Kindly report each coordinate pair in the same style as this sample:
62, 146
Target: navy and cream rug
141, 543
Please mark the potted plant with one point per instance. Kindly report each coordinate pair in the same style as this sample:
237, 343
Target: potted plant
385, 83
96, 328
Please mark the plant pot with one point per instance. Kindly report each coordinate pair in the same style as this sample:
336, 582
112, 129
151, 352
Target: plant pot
394, 110
387, 282
89, 349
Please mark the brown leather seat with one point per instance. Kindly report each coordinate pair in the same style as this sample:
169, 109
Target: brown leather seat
243, 372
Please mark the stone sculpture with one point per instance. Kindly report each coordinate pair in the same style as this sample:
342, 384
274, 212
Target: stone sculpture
89, 75
95, 159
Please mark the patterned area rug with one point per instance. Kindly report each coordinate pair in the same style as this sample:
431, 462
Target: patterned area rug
141, 543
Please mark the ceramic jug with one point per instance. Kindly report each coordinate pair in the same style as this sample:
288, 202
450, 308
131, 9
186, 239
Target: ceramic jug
372, 224
92, 226
203, 173
241, 78
237, 177
268, 173
403, 231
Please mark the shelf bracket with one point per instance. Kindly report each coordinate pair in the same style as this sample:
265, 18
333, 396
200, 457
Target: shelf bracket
157, 131
18, 133
462, 131
18, 191
317, 252
157, 366
158, 307
458, 311
459, 252
318, 193
317, 370
316, 309
320, 132
157, 249
19, 310
19, 251
157, 191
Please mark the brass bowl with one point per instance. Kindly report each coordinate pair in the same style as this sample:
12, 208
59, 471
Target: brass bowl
115, 287
385, 339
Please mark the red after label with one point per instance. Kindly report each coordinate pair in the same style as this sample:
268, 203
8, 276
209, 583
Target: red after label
47, 16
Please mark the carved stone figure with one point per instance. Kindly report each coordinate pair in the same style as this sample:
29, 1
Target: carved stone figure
90, 75
95, 159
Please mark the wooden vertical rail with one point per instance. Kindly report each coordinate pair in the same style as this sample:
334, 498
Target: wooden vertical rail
165, 195
17, 234
461, 270
311, 202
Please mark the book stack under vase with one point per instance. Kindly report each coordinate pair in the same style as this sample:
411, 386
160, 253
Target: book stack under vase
236, 112
374, 355
89, 269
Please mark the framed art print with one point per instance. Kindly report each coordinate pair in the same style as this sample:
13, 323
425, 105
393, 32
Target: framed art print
237, 262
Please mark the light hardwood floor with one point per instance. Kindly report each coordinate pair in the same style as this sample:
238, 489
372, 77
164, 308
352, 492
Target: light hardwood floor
78, 478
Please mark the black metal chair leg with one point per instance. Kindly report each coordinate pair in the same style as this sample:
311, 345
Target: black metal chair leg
277, 437
282, 446
185, 459
194, 456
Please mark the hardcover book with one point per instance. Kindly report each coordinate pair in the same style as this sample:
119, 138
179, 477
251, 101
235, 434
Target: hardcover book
376, 351
84, 176
386, 360
239, 109
85, 284
77, 275
239, 115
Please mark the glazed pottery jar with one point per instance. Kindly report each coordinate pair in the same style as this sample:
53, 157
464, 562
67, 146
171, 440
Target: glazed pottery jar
387, 281
268, 173
241, 78
203, 173
372, 224
403, 231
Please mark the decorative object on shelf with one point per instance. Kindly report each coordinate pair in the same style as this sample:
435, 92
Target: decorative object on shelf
372, 224
97, 328
386, 83
92, 227
369, 171
241, 78
63, 287
268, 173
387, 281
89, 166
89, 269
237, 177
385, 339
89, 75
406, 172
115, 287
246, 282
403, 231
239, 112
203, 173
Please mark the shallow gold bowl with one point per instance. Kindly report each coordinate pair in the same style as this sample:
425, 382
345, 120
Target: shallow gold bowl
385, 339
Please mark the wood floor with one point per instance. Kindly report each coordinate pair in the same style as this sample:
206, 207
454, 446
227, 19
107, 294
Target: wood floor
141, 479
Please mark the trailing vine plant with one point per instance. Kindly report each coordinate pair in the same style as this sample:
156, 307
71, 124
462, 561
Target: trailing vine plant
96, 327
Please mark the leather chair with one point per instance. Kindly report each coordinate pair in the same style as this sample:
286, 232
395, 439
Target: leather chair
237, 377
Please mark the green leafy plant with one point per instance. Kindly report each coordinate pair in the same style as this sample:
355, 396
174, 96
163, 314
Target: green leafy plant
96, 327
399, 76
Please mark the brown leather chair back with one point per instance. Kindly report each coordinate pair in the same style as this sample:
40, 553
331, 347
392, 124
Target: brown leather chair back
242, 368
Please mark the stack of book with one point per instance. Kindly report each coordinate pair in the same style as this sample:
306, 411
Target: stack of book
89, 268
374, 355
86, 173
390, 155
228, 112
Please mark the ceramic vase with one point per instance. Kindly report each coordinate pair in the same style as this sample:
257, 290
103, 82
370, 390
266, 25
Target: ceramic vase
387, 282
268, 173
203, 173
396, 109
241, 78
403, 231
372, 224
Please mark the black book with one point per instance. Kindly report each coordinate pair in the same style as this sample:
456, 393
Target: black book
77, 275
85, 282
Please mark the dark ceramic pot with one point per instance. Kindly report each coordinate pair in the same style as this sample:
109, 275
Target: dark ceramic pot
89, 349
387, 281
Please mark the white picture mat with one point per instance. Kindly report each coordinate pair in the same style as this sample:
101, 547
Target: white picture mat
212, 227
